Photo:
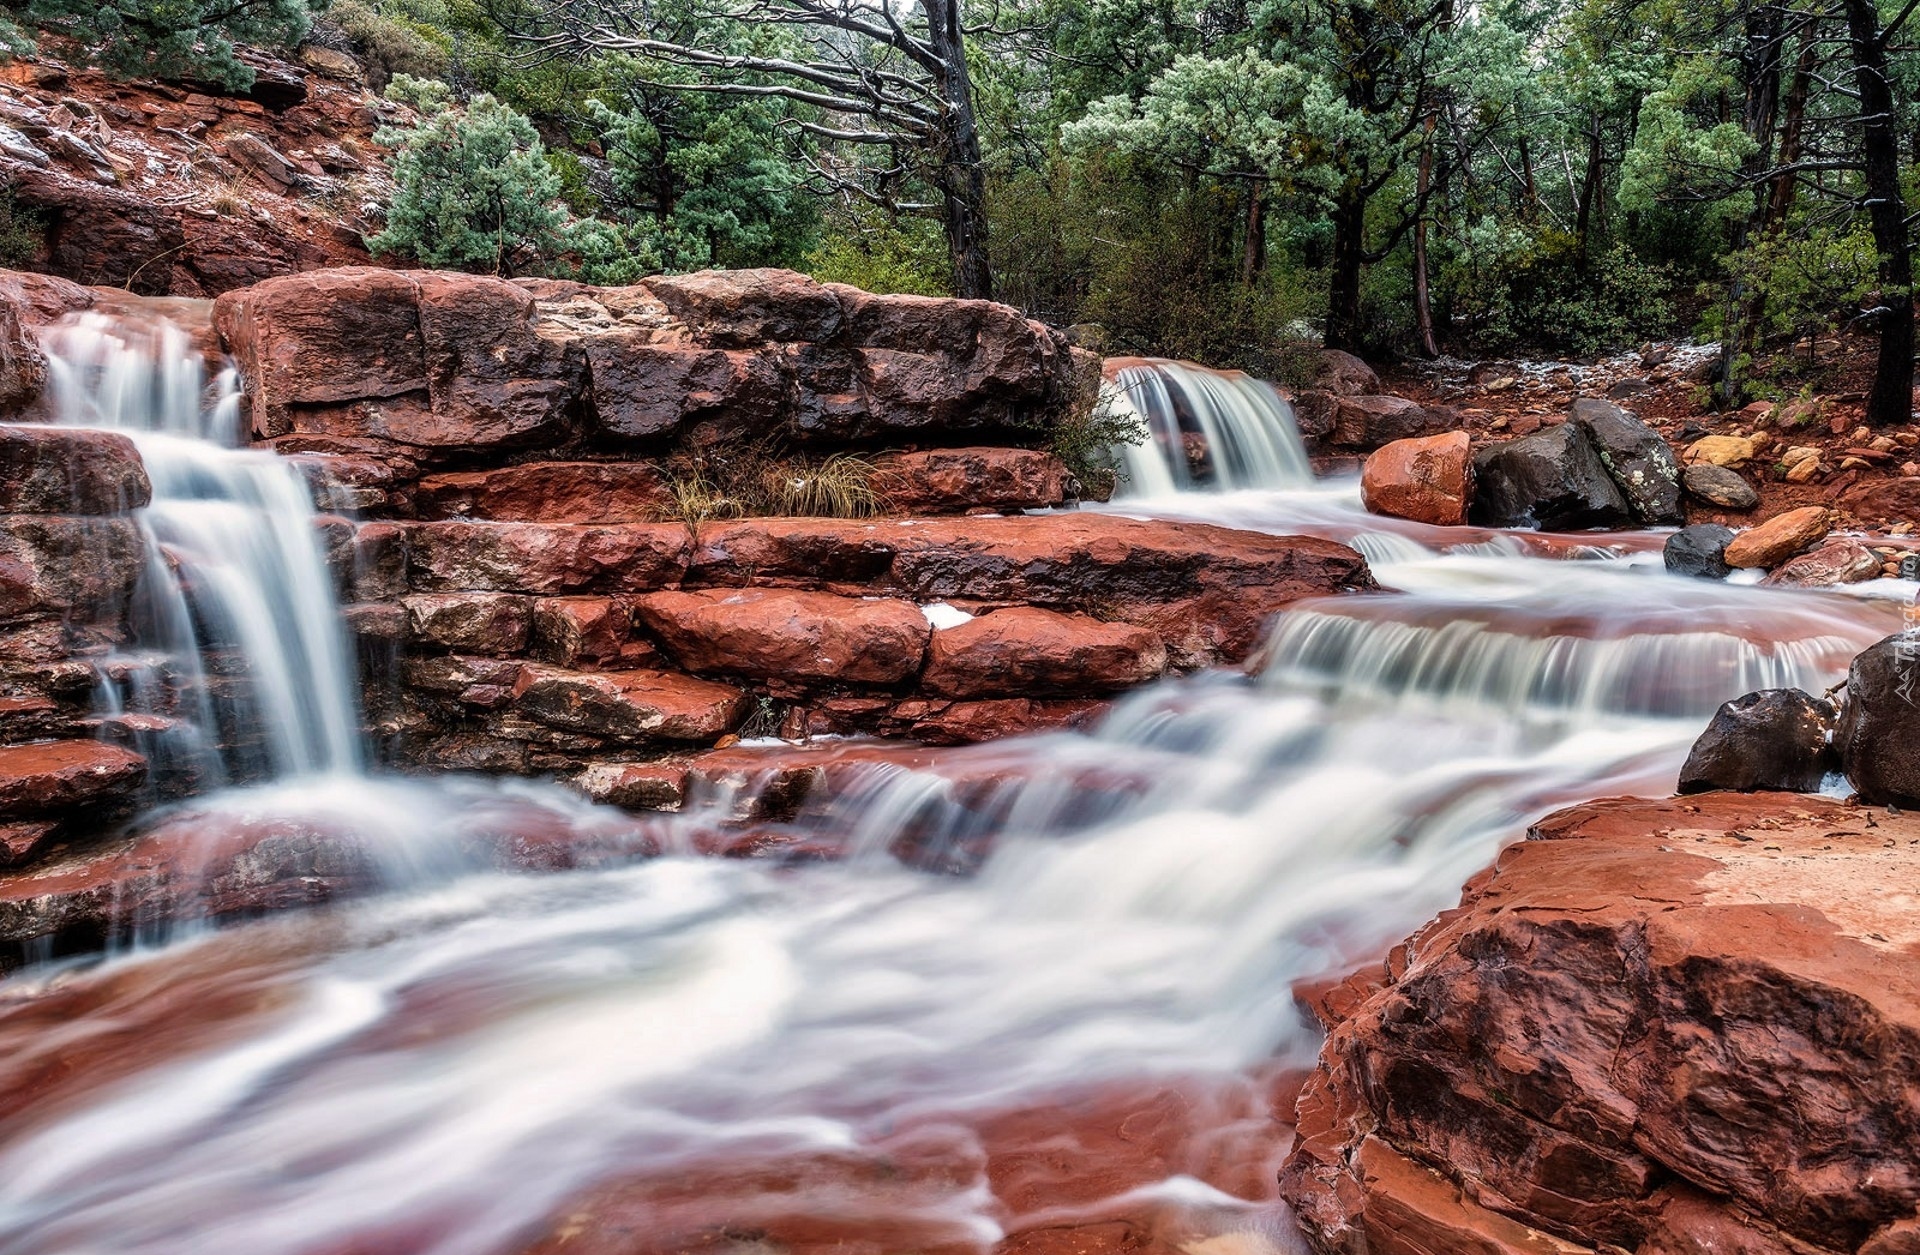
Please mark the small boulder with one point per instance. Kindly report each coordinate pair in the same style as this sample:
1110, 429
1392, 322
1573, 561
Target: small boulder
784, 634
470, 623
1367, 422
1767, 545
1552, 480
627, 705
1721, 450
1716, 485
1428, 479
1878, 734
1640, 461
953, 481
1023, 652
1773, 739
1700, 551
1343, 374
58, 777
1838, 561
69, 470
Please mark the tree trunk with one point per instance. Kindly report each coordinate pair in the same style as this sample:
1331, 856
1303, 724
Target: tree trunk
963, 176
1780, 203
1349, 257
1253, 250
1422, 298
1890, 400
1760, 65
1589, 194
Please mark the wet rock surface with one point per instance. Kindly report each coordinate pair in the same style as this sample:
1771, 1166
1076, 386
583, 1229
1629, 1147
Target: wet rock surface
1716, 485
1427, 479
1771, 543
1773, 739
1640, 461
1649, 1024
1699, 551
1879, 730
1553, 480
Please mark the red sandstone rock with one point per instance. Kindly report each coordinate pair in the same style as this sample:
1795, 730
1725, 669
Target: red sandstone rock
80, 568
1343, 374
1718, 991
330, 336
492, 381
1206, 590
641, 389
23, 368
1023, 652
470, 623
1369, 422
1427, 479
745, 308
627, 705
568, 631
54, 777
546, 558
970, 722
775, 634
953, 481
1770, 543
60, 470
549, 492
1884, 500
1835, 562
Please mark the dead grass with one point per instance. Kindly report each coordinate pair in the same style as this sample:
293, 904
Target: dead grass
747, 482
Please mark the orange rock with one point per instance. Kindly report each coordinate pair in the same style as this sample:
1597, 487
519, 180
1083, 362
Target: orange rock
549, 492
1768, 544
1023, 652
779, 633
1427, 479
52, 777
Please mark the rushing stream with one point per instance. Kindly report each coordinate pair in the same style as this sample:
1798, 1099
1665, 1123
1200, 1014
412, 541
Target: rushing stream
1096, 1025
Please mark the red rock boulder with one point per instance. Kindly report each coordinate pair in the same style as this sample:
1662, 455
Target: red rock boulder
1024, 652
62, 470
1427, 479
61, 777
1367, 422
1651, 1024
549, 492
627, 706
545, 558
782, 634
954, 481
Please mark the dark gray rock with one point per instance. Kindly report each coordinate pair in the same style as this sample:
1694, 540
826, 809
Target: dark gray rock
1773, 739
1553, 480
1716, 485
1700, 551
1641, 462
1879, 729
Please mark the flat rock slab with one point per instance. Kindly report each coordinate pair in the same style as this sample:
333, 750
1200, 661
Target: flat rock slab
57, 777
1652, 1023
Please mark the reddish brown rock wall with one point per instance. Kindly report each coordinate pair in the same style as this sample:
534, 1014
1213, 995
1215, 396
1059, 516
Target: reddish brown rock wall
1668, 1026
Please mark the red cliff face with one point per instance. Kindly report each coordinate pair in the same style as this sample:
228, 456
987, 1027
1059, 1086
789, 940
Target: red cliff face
1659, 1027
175, 190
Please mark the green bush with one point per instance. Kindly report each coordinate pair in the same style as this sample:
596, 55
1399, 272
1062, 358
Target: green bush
165, 39
393, 38
474, 191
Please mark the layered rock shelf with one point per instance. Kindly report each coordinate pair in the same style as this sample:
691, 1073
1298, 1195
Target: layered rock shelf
509, 466
1654, 1026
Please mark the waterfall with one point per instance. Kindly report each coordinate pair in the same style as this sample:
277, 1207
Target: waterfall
241, 664
1206, 430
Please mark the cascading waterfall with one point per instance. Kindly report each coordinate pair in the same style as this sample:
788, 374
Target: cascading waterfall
702, 1046
240, 634
1206, 430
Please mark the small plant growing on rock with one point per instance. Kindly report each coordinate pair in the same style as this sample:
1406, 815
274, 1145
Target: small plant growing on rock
1088, 440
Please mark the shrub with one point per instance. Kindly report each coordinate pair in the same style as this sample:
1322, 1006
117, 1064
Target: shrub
473, 189
166, 39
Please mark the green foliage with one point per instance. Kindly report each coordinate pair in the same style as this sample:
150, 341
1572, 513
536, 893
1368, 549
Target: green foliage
22, 232
1804, 286
865, 248
166, 39
1515, 291
473, 190
704, 181
1088, 439
393, 36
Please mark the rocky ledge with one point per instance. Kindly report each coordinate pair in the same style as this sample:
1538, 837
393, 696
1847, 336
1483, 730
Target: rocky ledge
1654, 1026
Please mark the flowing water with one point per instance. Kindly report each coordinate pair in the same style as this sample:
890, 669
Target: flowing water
1086, 1036
241, 649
